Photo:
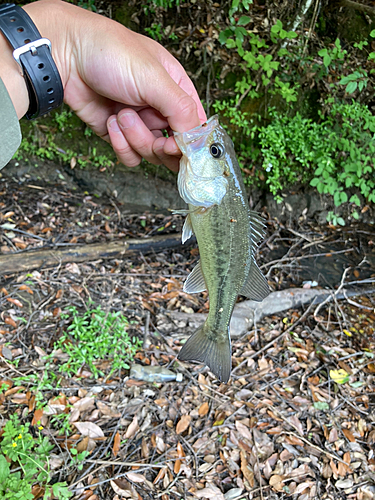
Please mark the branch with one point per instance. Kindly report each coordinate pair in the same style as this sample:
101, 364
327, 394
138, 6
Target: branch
35, 259
358, 6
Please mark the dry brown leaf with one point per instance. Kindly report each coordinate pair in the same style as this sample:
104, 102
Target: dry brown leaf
84, 404
37, 416
276, 481
132, 429
89, 429
243, 431
160, 475
107, 411
16, 302
203, 409
183, 424
82, 445
210, 491
246, 470
348, 435
295, 422
116, 444
144, 448
136, 478
124, 488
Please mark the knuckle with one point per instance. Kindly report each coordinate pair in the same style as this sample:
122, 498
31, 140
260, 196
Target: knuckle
187, 105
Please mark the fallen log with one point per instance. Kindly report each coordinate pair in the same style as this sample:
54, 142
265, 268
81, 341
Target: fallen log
37, 259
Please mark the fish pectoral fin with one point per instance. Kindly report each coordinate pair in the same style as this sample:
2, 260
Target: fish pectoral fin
195, 282
180, 212
216, 355
255, 286
187, 230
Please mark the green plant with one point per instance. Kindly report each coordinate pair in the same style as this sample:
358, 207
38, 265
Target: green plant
29, 464
155, 31
93, 336
334, 155
333, 54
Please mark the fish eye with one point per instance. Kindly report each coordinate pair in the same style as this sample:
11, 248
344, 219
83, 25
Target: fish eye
217, 150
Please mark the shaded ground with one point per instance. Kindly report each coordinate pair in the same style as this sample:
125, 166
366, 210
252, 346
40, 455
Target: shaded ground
287, 425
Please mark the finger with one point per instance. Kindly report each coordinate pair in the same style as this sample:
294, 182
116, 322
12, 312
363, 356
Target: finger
171, 148
138, 136
165, 95
187, 85
121, 147
153, 119
169, 161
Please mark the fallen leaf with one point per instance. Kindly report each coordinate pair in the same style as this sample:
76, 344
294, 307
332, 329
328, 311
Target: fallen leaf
136, 478
339, 376
116, 444
183, 424
132, 429
211, 491
89, 429
203, 409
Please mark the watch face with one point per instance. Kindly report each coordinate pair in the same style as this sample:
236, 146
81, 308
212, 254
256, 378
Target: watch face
10, 132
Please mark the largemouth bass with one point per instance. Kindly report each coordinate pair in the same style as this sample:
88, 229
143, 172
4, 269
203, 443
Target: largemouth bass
227, 232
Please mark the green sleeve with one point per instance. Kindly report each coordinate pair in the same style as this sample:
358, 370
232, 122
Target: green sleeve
10, 132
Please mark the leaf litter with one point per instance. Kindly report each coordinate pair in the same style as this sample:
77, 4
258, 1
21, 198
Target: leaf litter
295, 421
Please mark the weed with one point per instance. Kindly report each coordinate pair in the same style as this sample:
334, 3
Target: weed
30, 455
96, 335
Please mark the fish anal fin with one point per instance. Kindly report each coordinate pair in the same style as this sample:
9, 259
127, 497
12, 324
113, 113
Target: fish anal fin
187, 230
255, 286
216, 355
195, 282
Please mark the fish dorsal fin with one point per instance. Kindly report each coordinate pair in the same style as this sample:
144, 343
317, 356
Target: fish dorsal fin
258, 229
195, 282
255, 286
187, 230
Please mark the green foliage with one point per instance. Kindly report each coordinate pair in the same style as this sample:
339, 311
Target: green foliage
40, 141
29, 463
334, 155
333, 55
285, 147
93, 336
155, 31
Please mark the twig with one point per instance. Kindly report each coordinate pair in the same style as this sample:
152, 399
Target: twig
333, 296
257, 457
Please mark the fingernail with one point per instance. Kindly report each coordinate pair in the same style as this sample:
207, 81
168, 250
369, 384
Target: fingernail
113, 125
127, 120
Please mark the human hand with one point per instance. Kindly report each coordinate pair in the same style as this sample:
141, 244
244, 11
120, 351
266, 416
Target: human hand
125, 86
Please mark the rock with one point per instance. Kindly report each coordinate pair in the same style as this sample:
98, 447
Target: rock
245, 313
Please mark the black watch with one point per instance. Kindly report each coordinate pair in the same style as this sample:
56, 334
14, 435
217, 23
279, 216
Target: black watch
33, 54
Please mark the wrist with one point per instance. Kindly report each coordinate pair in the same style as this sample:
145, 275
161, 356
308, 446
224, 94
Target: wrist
12, 78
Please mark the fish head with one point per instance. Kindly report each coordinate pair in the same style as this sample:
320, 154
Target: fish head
205, 163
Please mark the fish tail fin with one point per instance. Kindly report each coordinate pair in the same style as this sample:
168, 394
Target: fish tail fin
216, 354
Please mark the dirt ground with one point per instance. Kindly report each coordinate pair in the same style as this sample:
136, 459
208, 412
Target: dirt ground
296, 420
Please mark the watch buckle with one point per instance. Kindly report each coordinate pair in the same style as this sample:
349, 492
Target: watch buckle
30, 47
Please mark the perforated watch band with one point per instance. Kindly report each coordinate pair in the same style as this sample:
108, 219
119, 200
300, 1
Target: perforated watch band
33, 54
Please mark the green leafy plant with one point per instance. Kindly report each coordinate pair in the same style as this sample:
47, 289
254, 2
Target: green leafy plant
334, 155
93, 336
29, 464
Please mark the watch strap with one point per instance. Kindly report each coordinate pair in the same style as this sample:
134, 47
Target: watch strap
33, 54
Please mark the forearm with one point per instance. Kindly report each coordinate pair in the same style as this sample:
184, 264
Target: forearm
12, 78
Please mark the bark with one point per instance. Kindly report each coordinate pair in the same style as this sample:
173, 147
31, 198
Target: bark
36, 259
358, 6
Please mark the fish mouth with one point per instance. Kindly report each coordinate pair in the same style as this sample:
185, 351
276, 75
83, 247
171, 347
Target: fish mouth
198, 133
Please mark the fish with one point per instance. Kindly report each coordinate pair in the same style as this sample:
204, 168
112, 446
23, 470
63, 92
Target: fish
227, 232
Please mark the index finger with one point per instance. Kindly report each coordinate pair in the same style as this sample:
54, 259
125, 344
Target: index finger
182, 108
